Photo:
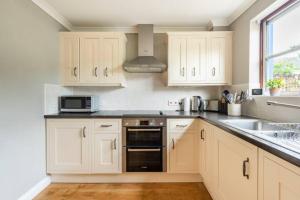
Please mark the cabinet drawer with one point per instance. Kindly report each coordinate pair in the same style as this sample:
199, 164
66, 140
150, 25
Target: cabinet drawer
107, 125
179, 125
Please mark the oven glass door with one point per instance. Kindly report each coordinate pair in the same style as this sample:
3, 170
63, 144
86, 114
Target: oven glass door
144, 137
144, 160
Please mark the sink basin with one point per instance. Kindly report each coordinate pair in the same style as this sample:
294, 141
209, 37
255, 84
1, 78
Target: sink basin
286, 135
252, 125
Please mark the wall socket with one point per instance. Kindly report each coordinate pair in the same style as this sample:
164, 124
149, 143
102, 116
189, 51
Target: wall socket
173, 102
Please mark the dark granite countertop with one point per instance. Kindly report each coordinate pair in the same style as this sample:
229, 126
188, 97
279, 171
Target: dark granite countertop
211, 117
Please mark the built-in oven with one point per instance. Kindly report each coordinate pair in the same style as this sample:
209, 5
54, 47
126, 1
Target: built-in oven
144, 145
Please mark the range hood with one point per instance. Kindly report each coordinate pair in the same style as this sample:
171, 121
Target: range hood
145, 62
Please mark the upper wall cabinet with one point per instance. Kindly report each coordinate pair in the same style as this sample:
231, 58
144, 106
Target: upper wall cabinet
199, 58
92, 59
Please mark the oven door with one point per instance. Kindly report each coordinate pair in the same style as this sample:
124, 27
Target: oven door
144, 160
143, 137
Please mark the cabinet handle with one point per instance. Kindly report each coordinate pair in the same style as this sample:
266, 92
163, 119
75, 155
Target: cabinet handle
183, 71
105, 125
106, 72
75, 71
181, 126
213, 71
96, 71
83, 132
245, 162
201, 134
194, 71
173, 143
115, 144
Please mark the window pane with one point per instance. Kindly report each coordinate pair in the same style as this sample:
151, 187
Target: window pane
286, 67
284, 31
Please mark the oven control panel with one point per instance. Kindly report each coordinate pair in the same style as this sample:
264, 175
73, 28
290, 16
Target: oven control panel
144, 122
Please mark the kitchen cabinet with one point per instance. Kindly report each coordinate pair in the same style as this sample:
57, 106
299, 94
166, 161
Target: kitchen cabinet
199, 58
83, 146
69, 60
235, 167
183, 146
278, 180
92, 59
206, 161
68, 146
106, 153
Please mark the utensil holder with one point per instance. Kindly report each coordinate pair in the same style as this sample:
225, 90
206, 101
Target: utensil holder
235, 109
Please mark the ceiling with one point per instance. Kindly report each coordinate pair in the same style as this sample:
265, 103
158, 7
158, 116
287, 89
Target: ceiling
128, 13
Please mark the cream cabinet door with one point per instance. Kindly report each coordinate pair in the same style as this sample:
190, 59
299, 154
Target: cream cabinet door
235, 170
183, 152
278, 179
110, 60
217, 60
68, 146
106, 153
90, 48
177, 60
69, 58
206, 155
196, 59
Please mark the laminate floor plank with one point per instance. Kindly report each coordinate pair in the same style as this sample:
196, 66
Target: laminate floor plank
130, 191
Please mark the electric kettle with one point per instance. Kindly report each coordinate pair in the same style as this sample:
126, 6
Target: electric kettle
197, 104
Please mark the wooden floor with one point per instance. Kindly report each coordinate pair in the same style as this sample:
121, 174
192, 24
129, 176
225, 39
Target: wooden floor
138, 191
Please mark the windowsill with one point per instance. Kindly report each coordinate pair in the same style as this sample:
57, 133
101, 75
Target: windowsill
267, 96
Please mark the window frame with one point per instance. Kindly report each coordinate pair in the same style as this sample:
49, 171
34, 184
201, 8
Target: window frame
263, 37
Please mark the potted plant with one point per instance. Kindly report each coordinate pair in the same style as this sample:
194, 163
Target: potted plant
275, 86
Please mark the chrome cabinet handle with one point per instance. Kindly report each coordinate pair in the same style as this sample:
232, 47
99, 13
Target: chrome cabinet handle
105, 125
83, 132
96, 71
106, 72
75, 71
115, 144
201, 134
194, 71
181, 126
213, 71
173, 143
144, 130
245, 162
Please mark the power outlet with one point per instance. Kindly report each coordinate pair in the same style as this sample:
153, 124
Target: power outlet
173, 103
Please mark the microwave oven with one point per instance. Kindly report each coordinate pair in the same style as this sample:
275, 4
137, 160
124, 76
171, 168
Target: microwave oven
78, 103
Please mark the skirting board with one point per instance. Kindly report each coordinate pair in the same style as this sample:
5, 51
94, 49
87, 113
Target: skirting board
126, 178
35, 190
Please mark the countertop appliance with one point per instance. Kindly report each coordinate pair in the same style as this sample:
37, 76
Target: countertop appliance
144, 143
211, 105
78, 104
197, 104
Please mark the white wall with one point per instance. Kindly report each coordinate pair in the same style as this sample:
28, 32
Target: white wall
145, 91
243, 71
28, 59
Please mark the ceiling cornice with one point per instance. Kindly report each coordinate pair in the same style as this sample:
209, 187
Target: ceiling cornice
45, 6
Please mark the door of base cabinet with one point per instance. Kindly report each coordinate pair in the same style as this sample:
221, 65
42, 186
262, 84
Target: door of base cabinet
278, 179
183, 152
235, 171
106, 153
68, 146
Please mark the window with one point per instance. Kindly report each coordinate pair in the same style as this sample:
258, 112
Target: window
280, 53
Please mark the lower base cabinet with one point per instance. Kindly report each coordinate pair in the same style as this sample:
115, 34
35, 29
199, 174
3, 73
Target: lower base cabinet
235, 168
278, 179
83, 146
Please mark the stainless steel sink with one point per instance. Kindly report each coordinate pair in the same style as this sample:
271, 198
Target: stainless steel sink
252, 125
284, 134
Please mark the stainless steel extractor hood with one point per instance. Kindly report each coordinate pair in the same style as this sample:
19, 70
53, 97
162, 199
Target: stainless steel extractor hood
145, 62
